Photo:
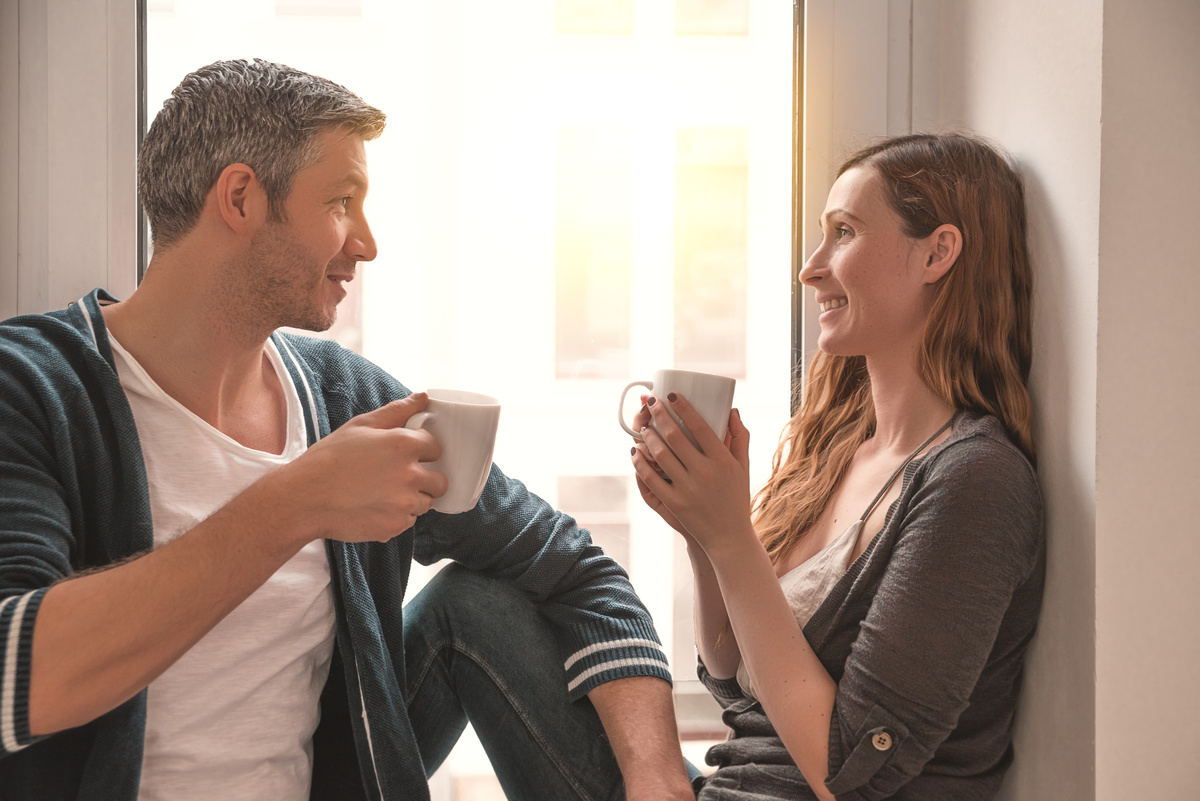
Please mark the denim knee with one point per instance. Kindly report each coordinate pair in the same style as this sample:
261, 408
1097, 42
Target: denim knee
459, 600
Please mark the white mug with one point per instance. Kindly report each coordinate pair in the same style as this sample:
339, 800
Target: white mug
465, 424
710, 395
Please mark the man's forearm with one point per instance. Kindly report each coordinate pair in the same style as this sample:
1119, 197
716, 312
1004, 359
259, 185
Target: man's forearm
101, 638
638, 714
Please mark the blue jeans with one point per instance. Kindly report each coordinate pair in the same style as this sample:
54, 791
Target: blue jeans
477, 649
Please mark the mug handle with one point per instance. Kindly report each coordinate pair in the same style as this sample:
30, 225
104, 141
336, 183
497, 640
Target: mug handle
621, 406
419, 419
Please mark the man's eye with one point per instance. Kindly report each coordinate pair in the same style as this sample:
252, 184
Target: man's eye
344, 201
843, 232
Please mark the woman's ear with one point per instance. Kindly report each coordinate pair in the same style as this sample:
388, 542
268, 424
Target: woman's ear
943, 247
240, 198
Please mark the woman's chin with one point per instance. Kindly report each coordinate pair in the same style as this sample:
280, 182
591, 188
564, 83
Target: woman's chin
830, 346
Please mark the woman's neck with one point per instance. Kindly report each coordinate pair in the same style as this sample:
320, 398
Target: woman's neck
907, 411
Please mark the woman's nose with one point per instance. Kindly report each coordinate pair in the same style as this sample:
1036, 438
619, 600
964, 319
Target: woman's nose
813, 268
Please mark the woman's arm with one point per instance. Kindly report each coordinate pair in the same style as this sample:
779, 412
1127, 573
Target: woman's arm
715, 640
968, 542
792, 685
708, 493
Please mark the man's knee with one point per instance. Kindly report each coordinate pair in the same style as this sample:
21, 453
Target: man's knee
460, 599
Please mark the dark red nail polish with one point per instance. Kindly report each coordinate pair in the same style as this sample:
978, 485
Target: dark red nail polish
672, 397
632, 451
650, 402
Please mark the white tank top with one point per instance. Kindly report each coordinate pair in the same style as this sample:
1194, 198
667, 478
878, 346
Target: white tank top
235, 715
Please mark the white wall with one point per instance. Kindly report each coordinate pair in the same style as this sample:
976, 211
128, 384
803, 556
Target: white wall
1028, 74
1147, 459
1101, 106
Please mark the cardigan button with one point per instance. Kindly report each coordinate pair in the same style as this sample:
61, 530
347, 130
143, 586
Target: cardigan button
882, 741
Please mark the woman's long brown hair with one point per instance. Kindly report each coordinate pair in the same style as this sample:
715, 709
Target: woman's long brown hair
976, 347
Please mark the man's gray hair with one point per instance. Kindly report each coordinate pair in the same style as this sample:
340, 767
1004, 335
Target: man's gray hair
255, 112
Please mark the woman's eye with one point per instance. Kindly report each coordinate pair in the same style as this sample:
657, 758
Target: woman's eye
842, 233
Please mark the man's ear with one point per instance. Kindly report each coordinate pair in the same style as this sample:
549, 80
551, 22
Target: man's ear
941, 251
240, 198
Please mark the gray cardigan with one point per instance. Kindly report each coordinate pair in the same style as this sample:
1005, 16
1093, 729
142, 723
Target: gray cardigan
924, 635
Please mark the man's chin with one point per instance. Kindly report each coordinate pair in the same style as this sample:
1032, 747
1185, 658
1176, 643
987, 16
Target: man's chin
316, 323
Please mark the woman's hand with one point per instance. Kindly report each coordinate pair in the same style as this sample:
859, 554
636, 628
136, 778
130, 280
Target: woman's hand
703, 492
640, 421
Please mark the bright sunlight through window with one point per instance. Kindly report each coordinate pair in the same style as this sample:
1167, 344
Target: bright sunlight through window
570, 195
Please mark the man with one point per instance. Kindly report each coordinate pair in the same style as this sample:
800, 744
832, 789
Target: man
206, 526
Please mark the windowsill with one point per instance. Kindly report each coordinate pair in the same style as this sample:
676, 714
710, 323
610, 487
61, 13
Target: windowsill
697, 713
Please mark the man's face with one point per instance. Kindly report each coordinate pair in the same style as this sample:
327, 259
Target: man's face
295, 269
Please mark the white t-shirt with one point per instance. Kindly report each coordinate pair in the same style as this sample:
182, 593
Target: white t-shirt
234, 717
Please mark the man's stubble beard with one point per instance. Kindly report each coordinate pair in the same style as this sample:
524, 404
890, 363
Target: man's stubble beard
274, 283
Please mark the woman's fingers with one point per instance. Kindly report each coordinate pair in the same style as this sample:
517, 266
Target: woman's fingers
649, 474
671, 436
738, 439
700, 430
658, 447
642, 418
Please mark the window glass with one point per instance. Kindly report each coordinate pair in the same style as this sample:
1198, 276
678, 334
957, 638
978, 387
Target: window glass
601, 505
595, 16
720, 17
557, 213
319, 8
710, 251
593, 205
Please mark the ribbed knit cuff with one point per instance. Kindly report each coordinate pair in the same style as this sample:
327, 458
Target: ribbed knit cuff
618, 649
727, 689
17, 614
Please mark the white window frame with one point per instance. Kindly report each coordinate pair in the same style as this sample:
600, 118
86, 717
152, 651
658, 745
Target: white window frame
71, 115
69, 128
870, 70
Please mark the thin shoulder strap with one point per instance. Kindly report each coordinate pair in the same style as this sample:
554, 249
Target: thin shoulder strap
903, 465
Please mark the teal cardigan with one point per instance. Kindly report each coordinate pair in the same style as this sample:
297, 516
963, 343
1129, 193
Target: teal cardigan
73, 496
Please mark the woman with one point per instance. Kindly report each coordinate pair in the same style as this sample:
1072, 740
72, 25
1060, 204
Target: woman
864, 623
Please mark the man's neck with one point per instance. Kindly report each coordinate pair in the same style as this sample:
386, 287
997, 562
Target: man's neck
178, 331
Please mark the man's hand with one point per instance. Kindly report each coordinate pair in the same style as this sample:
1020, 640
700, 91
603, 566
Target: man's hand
367, 480
638, 714
102, 637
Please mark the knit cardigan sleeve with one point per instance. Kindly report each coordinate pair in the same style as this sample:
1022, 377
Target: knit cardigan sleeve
73, 490
36, 539
603, 630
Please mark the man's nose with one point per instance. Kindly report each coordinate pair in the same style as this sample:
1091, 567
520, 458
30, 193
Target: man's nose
361, 243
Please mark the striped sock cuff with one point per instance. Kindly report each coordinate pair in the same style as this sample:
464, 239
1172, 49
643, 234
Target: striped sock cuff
17, 614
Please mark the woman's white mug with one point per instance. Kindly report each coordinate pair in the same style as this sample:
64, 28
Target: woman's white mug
710, 395
465, 425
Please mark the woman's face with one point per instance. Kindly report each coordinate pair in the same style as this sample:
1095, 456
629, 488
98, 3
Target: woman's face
868, 276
